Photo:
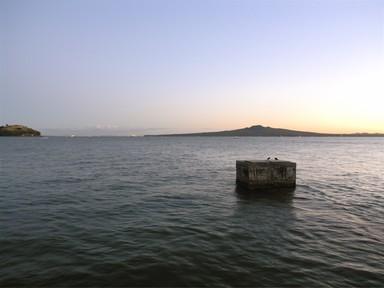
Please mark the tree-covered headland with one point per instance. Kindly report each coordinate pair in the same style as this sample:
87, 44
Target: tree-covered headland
18, 130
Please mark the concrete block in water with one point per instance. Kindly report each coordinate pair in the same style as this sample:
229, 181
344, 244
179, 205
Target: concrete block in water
262, 174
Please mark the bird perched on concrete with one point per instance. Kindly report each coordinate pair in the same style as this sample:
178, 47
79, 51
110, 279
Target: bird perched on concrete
276, 158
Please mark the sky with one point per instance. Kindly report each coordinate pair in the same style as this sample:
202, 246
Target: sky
189, 66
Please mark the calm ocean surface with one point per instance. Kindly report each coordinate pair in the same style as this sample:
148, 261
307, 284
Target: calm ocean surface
166, 212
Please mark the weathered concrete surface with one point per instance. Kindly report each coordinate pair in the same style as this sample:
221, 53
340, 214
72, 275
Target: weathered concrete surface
262, 174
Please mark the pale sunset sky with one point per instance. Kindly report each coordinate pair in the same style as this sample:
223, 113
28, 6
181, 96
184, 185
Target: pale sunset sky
191, 66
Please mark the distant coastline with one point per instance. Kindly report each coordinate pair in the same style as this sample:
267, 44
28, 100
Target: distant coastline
261, 131
18, 131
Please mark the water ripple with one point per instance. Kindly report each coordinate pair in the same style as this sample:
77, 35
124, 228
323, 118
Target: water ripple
167, 212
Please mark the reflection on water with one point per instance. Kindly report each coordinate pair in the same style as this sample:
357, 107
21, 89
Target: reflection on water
283, 195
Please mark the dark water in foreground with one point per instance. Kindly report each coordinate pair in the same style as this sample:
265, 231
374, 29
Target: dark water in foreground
165, 212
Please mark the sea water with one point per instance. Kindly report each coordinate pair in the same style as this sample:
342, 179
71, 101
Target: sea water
165, 211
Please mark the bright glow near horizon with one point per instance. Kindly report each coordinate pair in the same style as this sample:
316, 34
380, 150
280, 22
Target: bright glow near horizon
190, 66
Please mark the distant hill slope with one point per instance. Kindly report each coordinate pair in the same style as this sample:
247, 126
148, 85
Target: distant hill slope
262, 131
18, 130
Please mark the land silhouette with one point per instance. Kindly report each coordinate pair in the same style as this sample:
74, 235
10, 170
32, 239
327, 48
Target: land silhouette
261, 131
